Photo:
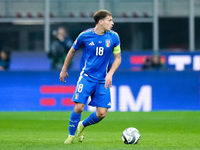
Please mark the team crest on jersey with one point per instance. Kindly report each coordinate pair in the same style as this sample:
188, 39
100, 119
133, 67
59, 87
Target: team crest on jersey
108, 43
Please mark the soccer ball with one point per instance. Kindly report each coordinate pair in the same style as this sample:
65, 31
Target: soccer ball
131, 136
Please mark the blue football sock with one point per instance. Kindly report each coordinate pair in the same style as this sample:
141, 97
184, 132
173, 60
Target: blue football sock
92, 119
73, 122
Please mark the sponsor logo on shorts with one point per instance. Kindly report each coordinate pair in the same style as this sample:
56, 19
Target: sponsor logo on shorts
76, 96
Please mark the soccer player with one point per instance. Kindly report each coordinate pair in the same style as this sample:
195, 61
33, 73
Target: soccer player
99, 43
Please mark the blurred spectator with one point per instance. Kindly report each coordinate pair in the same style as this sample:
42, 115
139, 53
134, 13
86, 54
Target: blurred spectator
153, 63
59, 48
5, 59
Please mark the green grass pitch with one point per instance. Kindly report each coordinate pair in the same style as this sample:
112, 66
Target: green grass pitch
48, 130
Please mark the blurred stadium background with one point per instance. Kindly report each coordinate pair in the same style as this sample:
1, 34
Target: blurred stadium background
30, 89
168, 27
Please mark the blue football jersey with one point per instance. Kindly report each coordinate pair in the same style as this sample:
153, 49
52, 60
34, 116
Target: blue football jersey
97, 51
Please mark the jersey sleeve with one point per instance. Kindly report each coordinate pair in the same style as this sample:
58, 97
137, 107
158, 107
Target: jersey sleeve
117, 48
78, 42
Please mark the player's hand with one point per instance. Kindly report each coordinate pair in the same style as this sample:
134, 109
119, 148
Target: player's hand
108, 81
63, 75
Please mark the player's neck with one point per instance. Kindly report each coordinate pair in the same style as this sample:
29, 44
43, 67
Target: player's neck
99, 30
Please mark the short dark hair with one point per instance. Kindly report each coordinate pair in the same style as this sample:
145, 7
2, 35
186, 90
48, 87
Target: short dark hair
101, 14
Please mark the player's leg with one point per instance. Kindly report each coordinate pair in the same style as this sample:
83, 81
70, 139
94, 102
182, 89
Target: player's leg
101, 112
94, 118
82, 92
73, 122
75, 118
100, 99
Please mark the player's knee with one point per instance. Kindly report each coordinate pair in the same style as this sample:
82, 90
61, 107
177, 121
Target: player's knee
79, 107
101, 115
101, 112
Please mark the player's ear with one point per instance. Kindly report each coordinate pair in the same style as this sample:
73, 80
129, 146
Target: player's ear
101, 21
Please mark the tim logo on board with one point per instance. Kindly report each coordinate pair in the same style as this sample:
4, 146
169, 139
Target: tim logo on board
127, 101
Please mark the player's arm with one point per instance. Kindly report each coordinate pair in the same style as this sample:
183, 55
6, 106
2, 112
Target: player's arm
66, 64
115, 65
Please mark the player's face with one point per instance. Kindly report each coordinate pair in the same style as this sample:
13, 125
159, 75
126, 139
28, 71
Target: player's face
107, 23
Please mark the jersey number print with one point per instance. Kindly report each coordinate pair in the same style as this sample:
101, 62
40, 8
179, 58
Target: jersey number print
99, 51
